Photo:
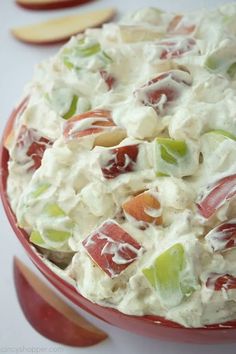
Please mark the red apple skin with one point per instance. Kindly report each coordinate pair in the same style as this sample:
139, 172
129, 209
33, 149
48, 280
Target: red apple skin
49, 315
221, 281
50, 5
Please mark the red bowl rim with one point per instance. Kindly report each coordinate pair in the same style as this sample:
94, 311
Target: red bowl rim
73, 293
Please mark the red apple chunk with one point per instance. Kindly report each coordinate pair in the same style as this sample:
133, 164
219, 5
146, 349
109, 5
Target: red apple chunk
91, 122
179, 26
119, 160
221, 281
163, 89
222, 236
30, 145
144, 207
9, 131
112, 248
176, 49
108, 78
216, 195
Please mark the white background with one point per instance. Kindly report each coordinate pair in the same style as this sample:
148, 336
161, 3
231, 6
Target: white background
17, 61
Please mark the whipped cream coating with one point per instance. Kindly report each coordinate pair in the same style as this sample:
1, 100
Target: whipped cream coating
166, 83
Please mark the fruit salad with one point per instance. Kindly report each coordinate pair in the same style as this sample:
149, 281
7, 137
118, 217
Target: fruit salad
122, 165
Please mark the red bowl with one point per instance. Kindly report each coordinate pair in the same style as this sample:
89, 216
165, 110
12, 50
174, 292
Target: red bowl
151, 326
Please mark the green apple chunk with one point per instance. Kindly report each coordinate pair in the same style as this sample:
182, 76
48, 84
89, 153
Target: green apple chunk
57, 235
224, 134
213, 139
166, 276
72, 109
36, 239
172, 157
40, 190
54, 210
232, 71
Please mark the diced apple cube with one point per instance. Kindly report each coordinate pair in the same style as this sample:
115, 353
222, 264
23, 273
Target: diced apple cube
97, 123
219, 282
165, 275
163, 89
112, 248
175, 49
119, 160
144, 207
222, 236
215, 195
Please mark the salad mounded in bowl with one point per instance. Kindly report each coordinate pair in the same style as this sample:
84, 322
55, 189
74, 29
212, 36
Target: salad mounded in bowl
122, 165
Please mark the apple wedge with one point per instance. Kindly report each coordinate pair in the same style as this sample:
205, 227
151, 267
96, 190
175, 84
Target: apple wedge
60, 29
49, 4
49, 315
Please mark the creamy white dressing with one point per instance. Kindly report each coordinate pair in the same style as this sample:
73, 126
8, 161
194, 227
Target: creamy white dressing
194, 99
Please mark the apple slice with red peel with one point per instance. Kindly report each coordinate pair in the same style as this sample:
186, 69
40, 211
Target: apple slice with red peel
176, 49
49, 314
98, 123
144, 207
117, 161
8, 137
49, 4
108, 78
219, 282
60, 29
163, 89
216, 195
222, 236
30, 146
112, 248
178, 26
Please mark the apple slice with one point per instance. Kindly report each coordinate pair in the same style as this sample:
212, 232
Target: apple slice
61, 29
163, 89
117, 161
9, 131
216, 195
144, 207
30, 147
97, 123
48, 4
179, 26
176, 48
222, 236
219, 282
112, 248
49, 314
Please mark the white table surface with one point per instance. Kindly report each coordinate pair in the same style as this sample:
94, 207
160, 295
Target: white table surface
17, 61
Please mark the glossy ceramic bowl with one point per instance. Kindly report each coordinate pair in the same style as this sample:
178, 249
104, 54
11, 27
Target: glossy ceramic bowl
152, 326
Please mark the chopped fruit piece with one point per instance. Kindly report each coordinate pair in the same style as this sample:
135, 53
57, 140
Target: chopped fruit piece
112, 248
49, 4
176, 49
232, 71
40, 190
108, 78
84, 49
60, 29
216, 195
163, 89
49, 314
178, 26
8, 137
98, 123
117, 161
144, 207
54, 210
221, 282
72, 108
57, 235
222, 236
165, 276
30, 146
36, 238
171, 157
